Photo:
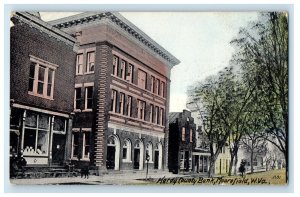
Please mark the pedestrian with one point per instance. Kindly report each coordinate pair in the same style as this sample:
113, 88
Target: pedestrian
22, 164
242, 168
85, 172
13, 166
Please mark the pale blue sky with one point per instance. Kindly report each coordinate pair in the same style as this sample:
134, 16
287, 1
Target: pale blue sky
200, 40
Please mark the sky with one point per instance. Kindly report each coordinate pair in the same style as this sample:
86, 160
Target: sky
200, 40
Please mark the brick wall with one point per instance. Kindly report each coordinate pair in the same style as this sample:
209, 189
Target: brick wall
27, 41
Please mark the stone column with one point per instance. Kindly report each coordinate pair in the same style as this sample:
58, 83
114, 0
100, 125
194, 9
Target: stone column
166, 140
103, 71
68, 147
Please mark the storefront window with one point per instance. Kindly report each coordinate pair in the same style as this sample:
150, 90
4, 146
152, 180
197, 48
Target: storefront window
36, 138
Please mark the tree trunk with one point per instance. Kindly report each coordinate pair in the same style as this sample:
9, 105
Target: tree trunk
235, 164
211, 171
251, 160
231, 164
233, 157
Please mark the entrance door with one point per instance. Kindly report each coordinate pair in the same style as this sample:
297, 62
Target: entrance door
136, 159
196, 168
186, 163
156, 158
58, 148
110, 157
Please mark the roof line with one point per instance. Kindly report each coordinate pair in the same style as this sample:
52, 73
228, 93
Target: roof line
33, 21
123, 23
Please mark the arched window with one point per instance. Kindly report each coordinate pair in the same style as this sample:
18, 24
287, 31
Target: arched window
111, 141
126, 155
149, 151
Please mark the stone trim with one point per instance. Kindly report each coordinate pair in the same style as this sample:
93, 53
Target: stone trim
116, 19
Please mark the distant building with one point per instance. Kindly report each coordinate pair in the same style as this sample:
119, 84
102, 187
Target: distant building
181, 141
121, 94
42, 60
201, 153
223, 161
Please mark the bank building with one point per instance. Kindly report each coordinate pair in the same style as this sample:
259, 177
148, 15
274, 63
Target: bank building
89, 89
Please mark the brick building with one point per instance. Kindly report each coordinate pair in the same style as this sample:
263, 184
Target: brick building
121, 93
41, 63
181, 141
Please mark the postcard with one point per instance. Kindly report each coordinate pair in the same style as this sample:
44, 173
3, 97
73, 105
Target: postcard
149, 98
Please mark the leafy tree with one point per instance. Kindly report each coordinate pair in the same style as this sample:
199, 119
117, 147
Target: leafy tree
262, 53
206, 99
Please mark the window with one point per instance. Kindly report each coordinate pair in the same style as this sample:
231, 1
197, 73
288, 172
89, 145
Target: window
157, 86
90, 67
89, 97
36, 134
86, 145
191, 135
113, 100
41, 78
79, 64
128, 105
162, 89
121, 103
115, 64
129, 73
142, 79
182, 160
183, 134
151, 113
141, 109
157, 114
75, 147
152, 84
77, 104
126, 153
122, 70
81, 140
162, 116
59, 125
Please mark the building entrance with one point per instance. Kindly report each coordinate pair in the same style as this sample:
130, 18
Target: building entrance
136, 159
110, 158
58, 148
156, 158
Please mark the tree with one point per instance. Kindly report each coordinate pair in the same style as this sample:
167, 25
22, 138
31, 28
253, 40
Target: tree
262, 53
206, 98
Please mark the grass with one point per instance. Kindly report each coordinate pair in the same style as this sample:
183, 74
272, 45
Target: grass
274, 177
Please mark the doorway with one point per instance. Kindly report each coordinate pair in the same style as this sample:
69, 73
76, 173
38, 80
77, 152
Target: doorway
58, 148
110, 158
156, 159
136, 159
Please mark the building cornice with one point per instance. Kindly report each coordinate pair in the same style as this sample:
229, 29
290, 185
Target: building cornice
116, 19
42, 26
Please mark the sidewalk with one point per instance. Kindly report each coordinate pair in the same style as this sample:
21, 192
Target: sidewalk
107, 179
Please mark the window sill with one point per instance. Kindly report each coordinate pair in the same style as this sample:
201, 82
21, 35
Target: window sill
85, 110
126, 161
41, 96
88, 73
84, 159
